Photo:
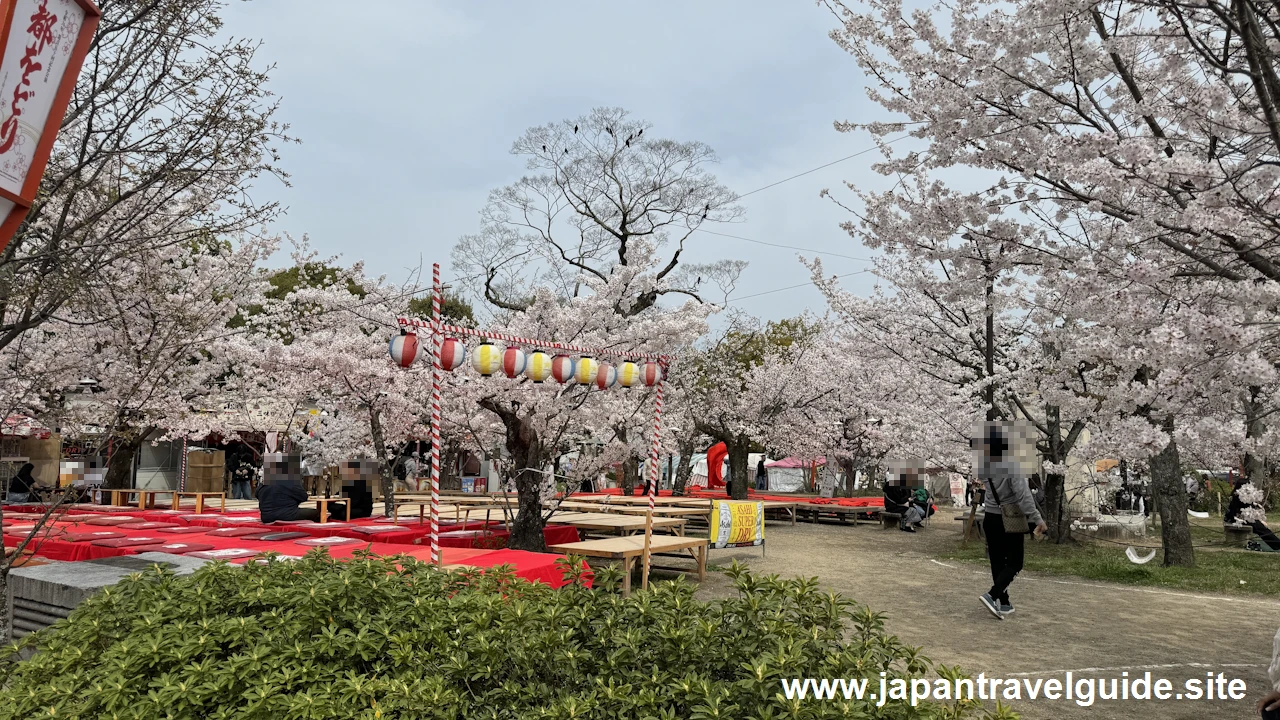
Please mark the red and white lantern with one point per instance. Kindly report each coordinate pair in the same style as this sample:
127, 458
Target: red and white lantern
513, 362
585, 373
651, 374
562, 367
628, 374
487, 359
452, 354
606, 376
405, 349
539, 368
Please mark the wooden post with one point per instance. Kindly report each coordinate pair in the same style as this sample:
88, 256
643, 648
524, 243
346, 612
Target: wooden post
648, 533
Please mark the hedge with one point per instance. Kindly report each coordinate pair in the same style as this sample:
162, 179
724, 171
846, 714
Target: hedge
376, 638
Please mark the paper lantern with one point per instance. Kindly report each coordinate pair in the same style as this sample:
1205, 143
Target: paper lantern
606, 376
452, 354
628, 374
651, 374
539, 366
562, 367
513, 362
405, 349
585, 373
487, 359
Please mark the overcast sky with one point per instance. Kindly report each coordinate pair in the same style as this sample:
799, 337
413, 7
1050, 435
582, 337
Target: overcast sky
407, 110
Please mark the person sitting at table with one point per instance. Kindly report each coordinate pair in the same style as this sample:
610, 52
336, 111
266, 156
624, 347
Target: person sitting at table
358, 477
360, 496
281, 491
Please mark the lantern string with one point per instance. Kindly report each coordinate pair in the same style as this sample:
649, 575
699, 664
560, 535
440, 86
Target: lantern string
415, 323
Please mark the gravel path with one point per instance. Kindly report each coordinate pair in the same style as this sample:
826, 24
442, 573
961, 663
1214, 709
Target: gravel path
1062, 623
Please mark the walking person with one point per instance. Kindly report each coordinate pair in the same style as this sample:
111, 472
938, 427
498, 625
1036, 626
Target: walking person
1269, 705
762, 476
1010, 513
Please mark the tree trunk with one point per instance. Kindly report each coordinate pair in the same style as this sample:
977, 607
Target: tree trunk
989, 347
1170, 496
739, 460
846, 465
685, 469
388, 479
525, 448
630, 467
1056, 513
1254, 428
526, 530
449, 462
120, 465
631, 484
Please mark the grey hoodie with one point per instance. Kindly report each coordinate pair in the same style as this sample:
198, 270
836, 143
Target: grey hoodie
1012, 486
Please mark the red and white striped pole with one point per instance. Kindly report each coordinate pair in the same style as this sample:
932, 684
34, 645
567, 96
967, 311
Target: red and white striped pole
436, 342
182, 473
654, 451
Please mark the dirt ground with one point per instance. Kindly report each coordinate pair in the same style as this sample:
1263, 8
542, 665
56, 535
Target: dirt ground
1061, 623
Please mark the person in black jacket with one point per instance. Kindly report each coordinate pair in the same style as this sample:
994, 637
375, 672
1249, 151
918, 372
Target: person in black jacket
279, 500
281, 491
22, 485
898, 499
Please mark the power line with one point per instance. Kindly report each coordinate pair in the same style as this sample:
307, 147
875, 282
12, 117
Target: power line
820, 167
793, 287
787, 247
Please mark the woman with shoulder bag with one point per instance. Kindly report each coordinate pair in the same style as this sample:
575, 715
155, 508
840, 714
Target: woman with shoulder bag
1010, 513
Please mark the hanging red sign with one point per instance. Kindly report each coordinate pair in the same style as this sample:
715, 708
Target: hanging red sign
42, 45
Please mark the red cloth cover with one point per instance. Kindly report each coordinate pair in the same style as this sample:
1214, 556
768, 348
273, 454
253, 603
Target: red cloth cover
715, 465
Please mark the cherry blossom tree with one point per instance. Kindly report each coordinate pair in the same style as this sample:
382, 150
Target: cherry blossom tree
169, 125
1130, 170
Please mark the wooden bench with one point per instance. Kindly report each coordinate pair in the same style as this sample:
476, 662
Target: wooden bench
199, 496
628, 549
890, 520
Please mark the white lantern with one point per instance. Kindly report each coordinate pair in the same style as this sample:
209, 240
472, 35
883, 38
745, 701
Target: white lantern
539, 366
585, 373
405, 349
487, 359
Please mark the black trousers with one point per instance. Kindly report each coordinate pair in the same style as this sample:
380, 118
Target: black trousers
1265, 533
1005, 552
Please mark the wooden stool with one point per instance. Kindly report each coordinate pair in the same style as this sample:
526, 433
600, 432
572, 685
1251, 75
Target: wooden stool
890, 520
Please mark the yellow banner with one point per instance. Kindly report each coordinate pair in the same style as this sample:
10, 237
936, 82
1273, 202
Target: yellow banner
737, 524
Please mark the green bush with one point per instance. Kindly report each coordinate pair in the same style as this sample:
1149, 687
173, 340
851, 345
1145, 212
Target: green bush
395, 638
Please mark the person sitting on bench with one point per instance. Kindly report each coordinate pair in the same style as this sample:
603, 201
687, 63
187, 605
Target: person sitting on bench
898, 499
1233, 517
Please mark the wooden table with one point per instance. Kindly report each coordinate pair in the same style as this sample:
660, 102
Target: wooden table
323, 504
623, 524
660, 511
627, 549
633, 499
199, 496
460, 512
